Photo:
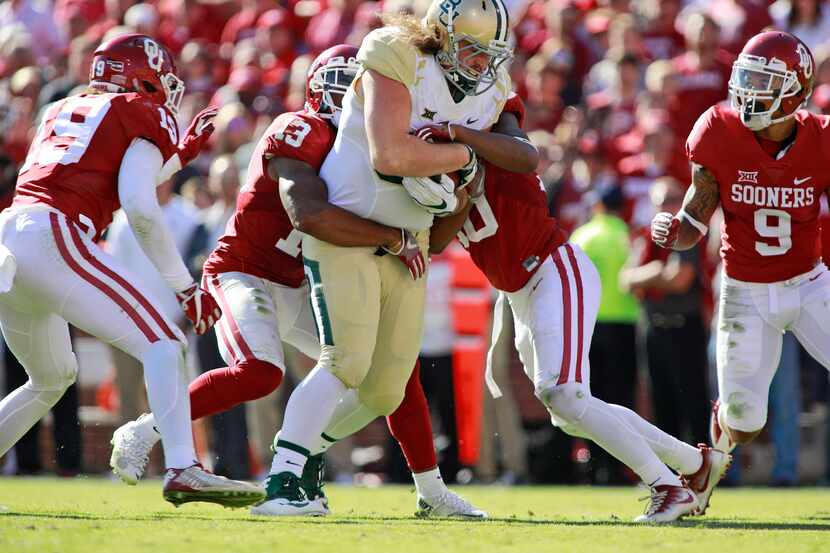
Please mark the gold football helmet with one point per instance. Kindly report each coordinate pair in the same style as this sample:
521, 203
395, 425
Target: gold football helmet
471, 27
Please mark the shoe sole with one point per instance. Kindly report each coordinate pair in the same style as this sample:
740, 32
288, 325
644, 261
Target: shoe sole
231, 500
715, 476
261, 513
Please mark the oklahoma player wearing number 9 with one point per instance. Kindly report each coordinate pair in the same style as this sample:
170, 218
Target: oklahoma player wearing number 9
94, 152
764, 161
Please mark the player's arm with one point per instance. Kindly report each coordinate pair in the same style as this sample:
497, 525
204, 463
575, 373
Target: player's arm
393, 150
305, 198
137, 192
685, 229
444, 229
507, 146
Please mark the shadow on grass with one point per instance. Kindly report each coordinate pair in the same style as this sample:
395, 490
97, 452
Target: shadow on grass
709, 523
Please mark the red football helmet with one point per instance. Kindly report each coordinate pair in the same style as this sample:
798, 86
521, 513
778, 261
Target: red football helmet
137, 63
771, 79
329, 77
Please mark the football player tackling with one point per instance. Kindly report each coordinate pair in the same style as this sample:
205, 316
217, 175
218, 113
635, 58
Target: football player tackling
369, 311
764, 161
256, 273
94, 152
553, 290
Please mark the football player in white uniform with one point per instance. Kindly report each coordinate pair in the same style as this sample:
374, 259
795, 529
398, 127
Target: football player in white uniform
368, 308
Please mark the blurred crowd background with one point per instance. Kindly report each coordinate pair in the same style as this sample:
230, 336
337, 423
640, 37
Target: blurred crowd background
612, 88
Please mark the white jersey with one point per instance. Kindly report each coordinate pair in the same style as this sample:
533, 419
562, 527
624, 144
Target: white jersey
353, 183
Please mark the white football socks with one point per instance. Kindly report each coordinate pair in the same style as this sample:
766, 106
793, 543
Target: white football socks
166, 381
429, 483
307, 414
20, 410
679, 455
611, 432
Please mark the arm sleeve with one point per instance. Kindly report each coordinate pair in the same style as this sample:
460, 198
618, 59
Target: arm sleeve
137, 193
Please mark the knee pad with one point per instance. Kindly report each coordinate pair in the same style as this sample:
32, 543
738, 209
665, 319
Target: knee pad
383, 403
744, 411
164, 352
349, 365
57, 378
257, 378
566, 403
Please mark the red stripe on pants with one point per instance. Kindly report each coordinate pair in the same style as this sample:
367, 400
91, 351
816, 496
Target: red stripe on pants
112, 294
580, 309
226, 310
566, 319
145, 303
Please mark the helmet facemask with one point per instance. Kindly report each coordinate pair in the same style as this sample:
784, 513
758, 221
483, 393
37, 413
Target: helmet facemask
758, 87
173, 91
331, 82
462, 47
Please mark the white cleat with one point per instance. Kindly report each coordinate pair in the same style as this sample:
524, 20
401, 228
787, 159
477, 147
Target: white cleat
194, 483
448, 504
668, 504
286, 498
131, 446
702, 483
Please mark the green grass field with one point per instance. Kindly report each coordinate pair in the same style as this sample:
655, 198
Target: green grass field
44, 515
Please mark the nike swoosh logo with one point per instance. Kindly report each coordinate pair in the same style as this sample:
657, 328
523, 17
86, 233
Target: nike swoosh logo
796, 182
442, 205
293, 463
471, 120
534, 289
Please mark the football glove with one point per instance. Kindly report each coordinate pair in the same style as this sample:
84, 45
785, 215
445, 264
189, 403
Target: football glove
410, 254
197, 135
435, 194
664, 229
200, 307
469, 172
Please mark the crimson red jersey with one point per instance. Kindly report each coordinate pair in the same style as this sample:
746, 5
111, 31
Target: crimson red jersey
771, 206
509, 231
259, 239
74, 160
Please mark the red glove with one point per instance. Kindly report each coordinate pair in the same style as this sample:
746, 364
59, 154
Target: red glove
410, 255
664, 229
200, 307
197, 135
436, 134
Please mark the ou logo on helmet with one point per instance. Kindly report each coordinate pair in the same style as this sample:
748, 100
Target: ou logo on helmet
155, 55
804, 60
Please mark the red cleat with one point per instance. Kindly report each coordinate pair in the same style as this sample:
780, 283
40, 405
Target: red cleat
668, 504
702, 483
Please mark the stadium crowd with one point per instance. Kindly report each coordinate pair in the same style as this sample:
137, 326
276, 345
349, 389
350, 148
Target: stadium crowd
612, 89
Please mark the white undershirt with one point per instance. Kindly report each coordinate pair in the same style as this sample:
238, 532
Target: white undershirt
137, 179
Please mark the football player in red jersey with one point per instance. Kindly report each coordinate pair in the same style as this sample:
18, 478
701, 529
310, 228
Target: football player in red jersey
553, 290
256, 273
94, 152
763, 160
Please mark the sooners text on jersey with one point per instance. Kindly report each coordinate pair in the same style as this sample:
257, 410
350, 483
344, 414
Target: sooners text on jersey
75, 157
771, 206
509, 231
259, 239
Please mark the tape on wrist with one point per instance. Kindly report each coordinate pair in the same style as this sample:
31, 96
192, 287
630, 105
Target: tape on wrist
701, 228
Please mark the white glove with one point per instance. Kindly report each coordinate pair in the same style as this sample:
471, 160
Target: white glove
435, 194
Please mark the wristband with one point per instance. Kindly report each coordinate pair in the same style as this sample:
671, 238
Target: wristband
701, 228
